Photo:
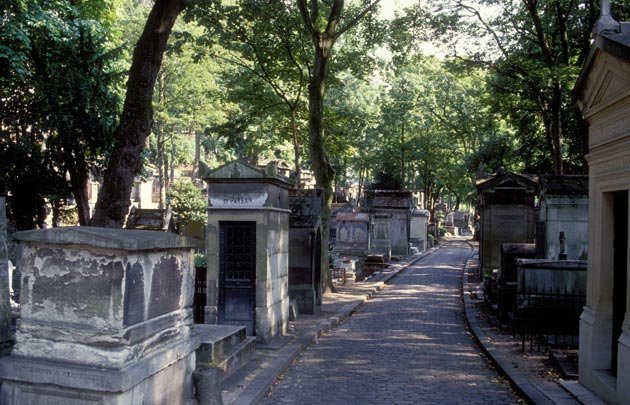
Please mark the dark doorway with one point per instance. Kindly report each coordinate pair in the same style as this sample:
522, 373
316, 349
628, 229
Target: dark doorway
237, 258
620, 271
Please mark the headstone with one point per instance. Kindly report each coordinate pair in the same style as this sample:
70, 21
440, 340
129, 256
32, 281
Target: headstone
106, 318
506, 209
380, 242
247, 243
5, 305
305, 249
150, 220
353, 234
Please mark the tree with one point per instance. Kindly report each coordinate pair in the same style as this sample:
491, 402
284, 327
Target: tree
137, 116
541, 45
324, 33
59, 98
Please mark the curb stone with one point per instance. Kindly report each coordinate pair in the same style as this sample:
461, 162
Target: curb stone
258, 388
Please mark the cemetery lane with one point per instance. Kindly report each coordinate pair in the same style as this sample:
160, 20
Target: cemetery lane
408, 345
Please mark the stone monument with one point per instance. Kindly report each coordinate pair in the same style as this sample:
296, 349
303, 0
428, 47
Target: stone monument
506, 210
247, 243
397, 206
106, 318
305, 249
604, 99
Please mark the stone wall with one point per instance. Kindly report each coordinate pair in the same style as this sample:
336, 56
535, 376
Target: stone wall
5, 308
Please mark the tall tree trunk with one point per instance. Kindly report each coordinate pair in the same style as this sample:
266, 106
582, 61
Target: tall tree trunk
297, 156
137, 116
556, 127
77, 169
322, 168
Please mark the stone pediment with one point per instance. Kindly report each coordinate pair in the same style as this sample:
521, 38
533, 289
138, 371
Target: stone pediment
241, 171
608, 82
508, 180
234, 170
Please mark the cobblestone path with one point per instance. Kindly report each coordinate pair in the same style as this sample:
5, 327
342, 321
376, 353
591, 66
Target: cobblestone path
408, 345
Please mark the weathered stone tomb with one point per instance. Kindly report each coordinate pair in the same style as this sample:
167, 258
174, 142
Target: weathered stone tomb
247, 243
396, 206
305, 249
5, 282
506, 210
105, 318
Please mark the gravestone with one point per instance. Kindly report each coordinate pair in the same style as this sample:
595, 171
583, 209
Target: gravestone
353, 234
5, 305
380, 242
305, 249
418, 228
397, 205
506, 210
563, 208
105, 318
145, 219
247, 243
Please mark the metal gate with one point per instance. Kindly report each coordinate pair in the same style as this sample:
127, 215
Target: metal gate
237, 257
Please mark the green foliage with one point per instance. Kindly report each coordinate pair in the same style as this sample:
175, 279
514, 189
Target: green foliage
59, 87
187, 202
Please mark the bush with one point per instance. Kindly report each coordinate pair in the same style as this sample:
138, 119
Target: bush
187, 202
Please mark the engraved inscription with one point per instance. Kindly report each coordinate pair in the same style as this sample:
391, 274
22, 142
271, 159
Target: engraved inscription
76, 375
239, 200
609, 130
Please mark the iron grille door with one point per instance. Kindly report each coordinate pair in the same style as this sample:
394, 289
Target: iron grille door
237, 257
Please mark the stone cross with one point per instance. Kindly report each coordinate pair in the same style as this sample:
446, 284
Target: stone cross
606, 23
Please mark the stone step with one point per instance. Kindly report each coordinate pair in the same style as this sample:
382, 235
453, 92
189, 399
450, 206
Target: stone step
225, 347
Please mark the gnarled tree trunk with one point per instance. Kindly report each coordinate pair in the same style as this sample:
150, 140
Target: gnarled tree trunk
137, 116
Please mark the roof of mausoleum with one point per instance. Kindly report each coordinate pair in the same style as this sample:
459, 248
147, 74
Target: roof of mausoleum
563, 185
506, 180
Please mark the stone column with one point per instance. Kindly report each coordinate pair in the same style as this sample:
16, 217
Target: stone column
5, 307
106, 317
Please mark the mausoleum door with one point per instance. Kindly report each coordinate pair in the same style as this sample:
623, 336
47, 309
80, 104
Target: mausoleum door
620, 263
237, 257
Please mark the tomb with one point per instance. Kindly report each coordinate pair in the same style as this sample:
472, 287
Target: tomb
353, 234
105, 318
395, 206
418, 229
562, 212
603, 93
305, 249
247, 245
506, 209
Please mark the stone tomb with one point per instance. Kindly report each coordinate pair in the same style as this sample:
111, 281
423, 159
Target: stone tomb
106, 318
603, 92
418, 229
562, 209
247, 243
353, 234
5, 282
305, 249
506, 209
396, 205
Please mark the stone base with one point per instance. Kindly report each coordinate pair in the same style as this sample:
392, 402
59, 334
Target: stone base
305, 298
272, 321
164, 378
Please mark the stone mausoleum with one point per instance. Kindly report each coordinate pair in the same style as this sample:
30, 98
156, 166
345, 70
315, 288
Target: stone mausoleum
247, 243
305, 249
506, 210
603, 92
105, 318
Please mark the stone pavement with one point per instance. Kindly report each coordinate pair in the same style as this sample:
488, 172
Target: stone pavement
407, 345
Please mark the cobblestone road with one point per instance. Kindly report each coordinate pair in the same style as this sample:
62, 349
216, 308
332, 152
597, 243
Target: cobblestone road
408, 345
